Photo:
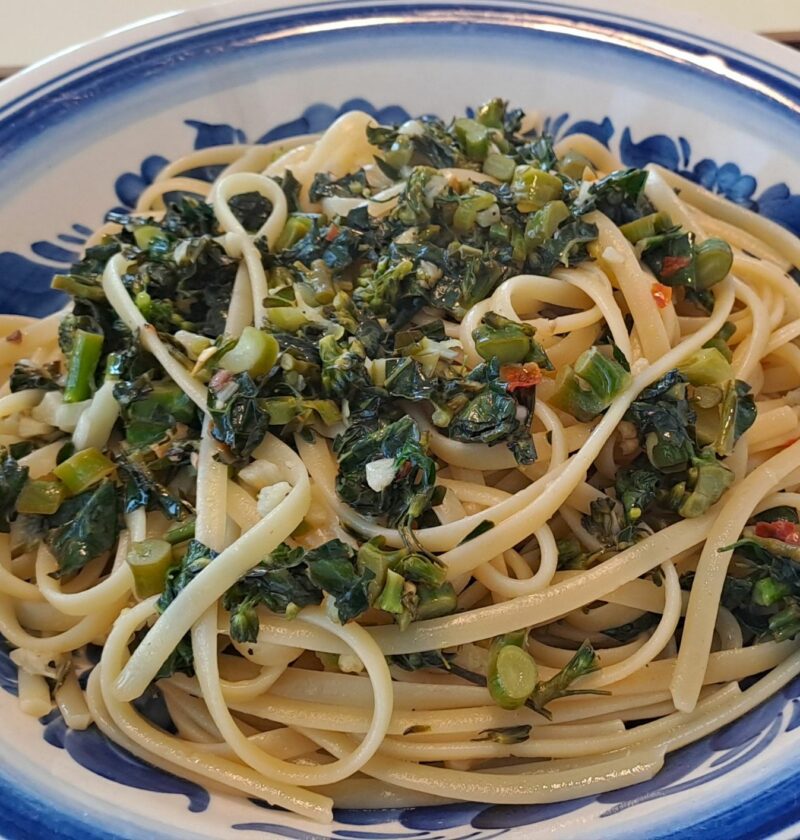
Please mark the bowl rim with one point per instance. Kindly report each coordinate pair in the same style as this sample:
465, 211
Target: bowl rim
764, 68
773, 61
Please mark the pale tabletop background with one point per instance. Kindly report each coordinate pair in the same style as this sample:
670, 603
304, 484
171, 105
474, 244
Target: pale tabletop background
33, 29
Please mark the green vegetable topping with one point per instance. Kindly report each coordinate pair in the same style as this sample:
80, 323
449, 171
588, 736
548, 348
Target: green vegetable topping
40, 498
360, 355
532, 188
707, 480
472, 137
676, 260
713, 261
506, 734
646, 227
707, 366
255, 353
150, 560
12, 480
84, 469
292, 578
582, 663
82, 365
508, 341
511, 673
619, 195
83, 528
26, 375
588, 388
180, 533
499, 166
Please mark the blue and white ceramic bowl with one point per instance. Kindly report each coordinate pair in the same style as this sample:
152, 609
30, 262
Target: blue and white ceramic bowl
88, 130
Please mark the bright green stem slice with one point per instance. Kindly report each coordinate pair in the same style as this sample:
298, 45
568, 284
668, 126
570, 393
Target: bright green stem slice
40, 498
532, 188
149, 561
646, 226
255, 352
390, 598
181, 533
499, 166
713, 261
285, 318
707, 366
84, 469
83, 361
513, 677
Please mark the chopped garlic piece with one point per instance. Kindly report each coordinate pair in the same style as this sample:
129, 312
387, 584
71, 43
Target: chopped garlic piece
202, 358
270, 497
260, 474
412, 128
380, 473
486, 218
613, 256
349, 663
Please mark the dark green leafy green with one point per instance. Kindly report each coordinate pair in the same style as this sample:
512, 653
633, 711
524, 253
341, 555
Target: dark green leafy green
670, 256
422, 659
663, 418
762, 587
430, 145
83, 528
151, 410
628, 632
180, 661
607, 521
12, 479
637, 488
785, 513
292, 578
250, 209
410, 491
620, 196
26, 375
583, 662
506, 734
352, 185
196, 557
566, 248
240, 421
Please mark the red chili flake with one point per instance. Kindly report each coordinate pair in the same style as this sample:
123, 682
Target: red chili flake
662, 295
14, 337
220, 379
672, 265
780, 529
517, 377
333, 232
403, 470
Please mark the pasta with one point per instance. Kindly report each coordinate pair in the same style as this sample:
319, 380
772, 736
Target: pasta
409, 464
